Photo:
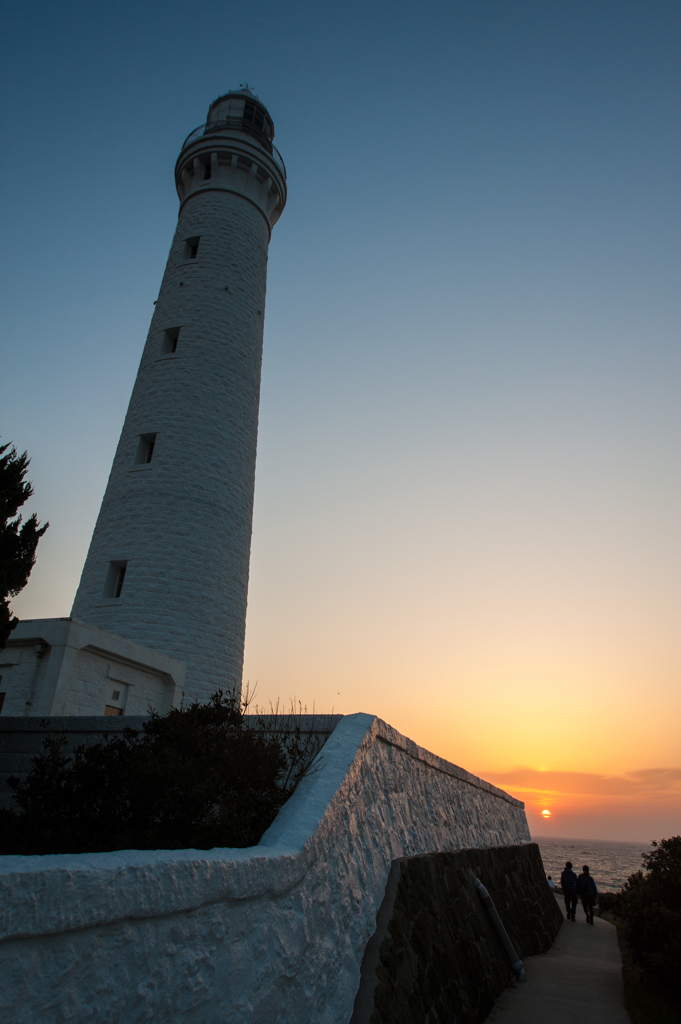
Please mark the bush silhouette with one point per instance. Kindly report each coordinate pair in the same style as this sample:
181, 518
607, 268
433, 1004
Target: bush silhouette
201, 777
649, 907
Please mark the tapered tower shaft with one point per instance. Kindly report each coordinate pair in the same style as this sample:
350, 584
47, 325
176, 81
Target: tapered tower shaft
169, 558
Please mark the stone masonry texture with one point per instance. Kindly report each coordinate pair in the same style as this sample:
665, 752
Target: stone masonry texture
440, 959
274, 934
183, 521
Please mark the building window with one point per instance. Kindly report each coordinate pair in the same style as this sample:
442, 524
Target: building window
2, 699
109, 709
116, 695
191, 248
120, 579
115, 579
170, 340
145, 448
207, 172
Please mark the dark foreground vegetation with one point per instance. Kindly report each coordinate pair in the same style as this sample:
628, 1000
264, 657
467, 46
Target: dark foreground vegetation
197, 778
648, 914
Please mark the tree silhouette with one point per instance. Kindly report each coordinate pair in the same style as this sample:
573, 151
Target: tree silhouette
18, 541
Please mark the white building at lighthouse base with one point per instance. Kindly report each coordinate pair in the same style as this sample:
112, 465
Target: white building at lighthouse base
65, 667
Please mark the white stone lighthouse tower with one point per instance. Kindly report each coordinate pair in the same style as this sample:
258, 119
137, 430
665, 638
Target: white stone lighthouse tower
168, 563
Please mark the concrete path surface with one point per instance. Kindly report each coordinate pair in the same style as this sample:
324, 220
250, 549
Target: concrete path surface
579, 981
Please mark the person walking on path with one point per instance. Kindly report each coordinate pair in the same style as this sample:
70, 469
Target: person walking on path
568, 883
587, 891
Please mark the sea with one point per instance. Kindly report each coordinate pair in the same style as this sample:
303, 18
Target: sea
610, 863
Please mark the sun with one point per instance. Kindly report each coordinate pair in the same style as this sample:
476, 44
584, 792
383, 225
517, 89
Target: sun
546, 814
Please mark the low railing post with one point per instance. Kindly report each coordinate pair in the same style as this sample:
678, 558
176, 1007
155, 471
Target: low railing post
515, 961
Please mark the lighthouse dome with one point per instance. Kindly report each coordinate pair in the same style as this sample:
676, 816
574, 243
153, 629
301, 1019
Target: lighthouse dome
241, 109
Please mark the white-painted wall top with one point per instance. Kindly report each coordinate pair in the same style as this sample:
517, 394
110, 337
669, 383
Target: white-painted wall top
270, 934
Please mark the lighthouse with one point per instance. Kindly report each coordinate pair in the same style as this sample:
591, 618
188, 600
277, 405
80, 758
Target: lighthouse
168, 563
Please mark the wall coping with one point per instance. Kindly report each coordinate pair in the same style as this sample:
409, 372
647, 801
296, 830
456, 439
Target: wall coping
56, 893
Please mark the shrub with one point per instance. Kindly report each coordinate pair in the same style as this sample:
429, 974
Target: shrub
607, 902
201, 777
649, 908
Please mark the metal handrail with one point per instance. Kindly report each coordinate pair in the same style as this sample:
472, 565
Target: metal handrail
236, 124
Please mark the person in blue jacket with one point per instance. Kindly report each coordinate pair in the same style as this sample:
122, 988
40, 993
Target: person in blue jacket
588, 893
568, 883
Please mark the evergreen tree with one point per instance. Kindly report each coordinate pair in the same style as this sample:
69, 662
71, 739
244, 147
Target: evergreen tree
18, 541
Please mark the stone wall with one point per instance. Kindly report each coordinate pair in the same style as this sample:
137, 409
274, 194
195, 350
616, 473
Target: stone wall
271, 934
435, 955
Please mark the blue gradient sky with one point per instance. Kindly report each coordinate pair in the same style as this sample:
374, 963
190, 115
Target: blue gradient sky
468, 497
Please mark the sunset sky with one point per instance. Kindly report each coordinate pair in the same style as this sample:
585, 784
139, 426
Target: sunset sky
468, 486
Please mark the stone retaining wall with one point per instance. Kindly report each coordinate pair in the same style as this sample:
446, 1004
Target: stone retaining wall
272, 934
435, 955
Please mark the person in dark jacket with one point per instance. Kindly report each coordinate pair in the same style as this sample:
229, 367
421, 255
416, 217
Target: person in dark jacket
568, 883
587, 892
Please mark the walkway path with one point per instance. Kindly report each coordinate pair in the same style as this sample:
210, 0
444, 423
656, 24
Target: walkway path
579, 981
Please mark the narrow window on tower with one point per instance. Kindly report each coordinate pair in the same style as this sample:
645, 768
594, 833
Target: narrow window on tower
145, 448
207, 172
115, 578
170, 340
191, 248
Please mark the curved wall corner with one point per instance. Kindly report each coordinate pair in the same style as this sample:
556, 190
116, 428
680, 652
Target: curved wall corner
273, 933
